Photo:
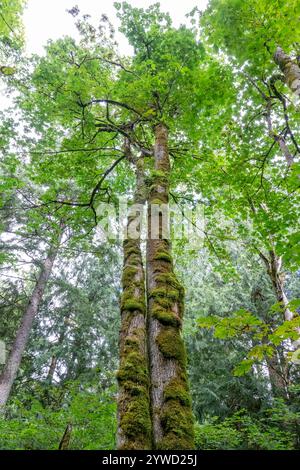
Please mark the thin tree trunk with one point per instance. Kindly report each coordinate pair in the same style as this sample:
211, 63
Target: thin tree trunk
54, 358
51, 370
12, 365
65, 440
277, 373
278, 280
273, 264
134, 419
278, 138
290, 70
277, 376
172, 418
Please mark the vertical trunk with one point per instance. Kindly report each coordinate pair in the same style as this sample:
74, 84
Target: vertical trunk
278, 138
277, 278
14, 359
290, 70
277, 377
51, 369
134, 420
65, 441
276, 372
54, 358
273, 265
170, 398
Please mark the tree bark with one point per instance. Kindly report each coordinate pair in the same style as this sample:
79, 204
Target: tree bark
290, 70
12, 365
172, 418
278, 138
65, 440
278, 278
273, 264
277, 376
51, 370
134, 419
277, 373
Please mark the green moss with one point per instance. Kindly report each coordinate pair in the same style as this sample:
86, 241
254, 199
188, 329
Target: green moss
176, 414
169, 279
130, 302
132, 251
177, 420
162, 302
133, 368
173, 442
130, 243
166, 317
133, 389
136, 419
129, 272
148, 180
157, 201
131, 305
133, 342
171, 345
164, 292
163, 256
177, 389
158, 177
158, 174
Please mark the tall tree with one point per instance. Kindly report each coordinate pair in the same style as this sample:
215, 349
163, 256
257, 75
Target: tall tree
171, 402
13, 362
134, 420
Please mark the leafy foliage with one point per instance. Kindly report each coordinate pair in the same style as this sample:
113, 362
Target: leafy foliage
88, 408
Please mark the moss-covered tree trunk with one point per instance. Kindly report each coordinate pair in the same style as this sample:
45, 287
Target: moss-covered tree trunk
134, 420
172, 418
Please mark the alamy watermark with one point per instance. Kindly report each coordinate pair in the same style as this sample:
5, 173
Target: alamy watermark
158, 220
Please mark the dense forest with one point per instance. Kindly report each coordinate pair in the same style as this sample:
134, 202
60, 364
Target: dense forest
150, 261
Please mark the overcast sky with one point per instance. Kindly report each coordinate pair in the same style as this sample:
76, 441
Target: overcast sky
45, 19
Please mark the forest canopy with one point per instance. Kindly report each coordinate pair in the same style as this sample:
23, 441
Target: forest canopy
149, 230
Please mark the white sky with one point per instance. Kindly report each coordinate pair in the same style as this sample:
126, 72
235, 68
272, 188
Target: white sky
45, 19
